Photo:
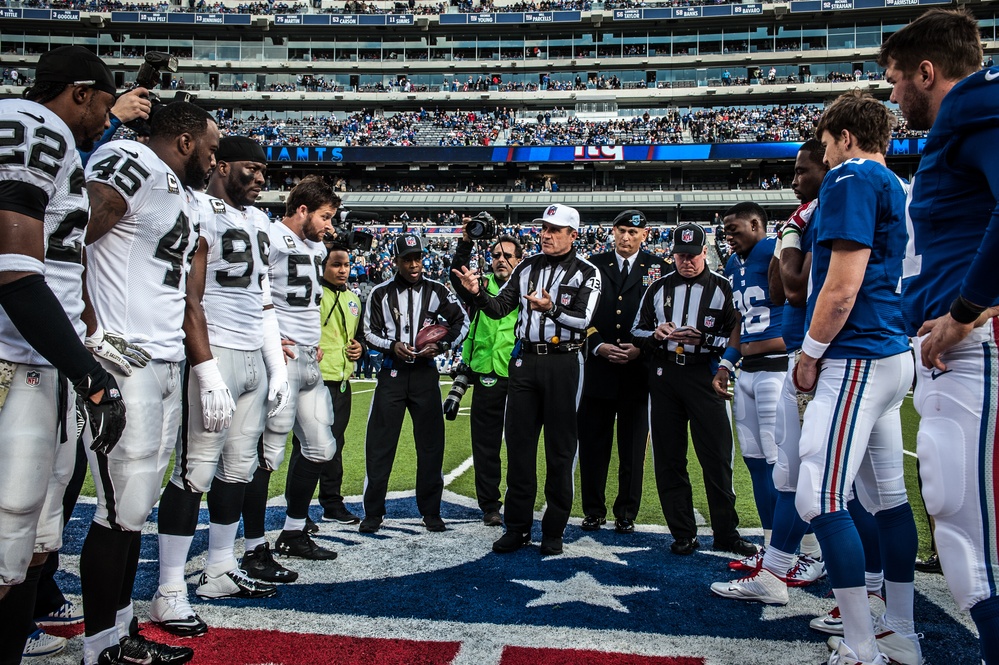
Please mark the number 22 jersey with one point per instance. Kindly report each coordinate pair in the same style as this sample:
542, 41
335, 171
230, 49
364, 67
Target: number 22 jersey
137, 272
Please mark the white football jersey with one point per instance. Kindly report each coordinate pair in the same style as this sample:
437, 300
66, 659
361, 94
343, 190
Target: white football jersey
237, 271
295, 269
38, 149
137, 272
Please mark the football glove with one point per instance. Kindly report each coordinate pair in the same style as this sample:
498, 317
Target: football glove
278, 390
115, 348
107, 417
277, 394
217, 405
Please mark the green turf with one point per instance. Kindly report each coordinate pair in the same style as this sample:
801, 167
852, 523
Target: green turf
458, 449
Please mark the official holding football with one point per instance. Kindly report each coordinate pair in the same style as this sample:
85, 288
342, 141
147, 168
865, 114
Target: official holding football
683, 325
555, 294
615, 383
487, 351
397, 310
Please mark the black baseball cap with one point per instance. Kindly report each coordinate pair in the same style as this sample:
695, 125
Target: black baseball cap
688, 239
632, 219
408, 244
75, 65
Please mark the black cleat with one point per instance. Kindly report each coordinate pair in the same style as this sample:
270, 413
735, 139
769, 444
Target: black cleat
137, 649
592, 523
341, 515
310, 526
260, 565
300, 544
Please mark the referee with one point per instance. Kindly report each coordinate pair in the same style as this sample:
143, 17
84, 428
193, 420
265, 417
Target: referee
556, 293
683, 325
395, 313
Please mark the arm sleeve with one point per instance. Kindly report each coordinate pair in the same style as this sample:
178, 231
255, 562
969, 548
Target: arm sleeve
580, 313
374, 323
981, 283
455, 316
107, 136
462, 256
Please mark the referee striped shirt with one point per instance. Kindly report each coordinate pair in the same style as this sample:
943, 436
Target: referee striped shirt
704, 302
574, 286
396, 311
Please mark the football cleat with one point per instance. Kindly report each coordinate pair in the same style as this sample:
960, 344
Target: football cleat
137, 649
806, 571
844, 655
749, 563
832, 623
760, 585
233, 584
260, 565
41, 643
900, 649
340, 514
171, 611
300, 544
68, 613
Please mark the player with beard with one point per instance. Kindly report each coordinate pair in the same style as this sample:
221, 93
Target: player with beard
141, 237
295, 260
43, 216
949, 293
230, 322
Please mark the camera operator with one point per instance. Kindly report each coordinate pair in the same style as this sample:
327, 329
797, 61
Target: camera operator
396, 311
555, 294
129, 106
487, 353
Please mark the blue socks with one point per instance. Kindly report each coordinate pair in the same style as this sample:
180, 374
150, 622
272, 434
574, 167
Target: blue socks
764, 491
842, 549
789, 528
867, 528
986, 616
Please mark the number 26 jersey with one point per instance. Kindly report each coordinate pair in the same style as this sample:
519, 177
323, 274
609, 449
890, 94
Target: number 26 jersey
137, 272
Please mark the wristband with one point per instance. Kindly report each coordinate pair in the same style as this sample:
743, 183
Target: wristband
777, 247
209, 376
727, 364
965, 312
813, 348
791, 240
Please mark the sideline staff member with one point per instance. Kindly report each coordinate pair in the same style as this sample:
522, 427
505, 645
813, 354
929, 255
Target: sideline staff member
396, 312
561, 291
615, 384
683, 325
487, 351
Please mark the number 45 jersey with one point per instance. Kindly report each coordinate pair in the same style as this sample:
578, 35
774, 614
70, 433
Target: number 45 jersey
38, 151
137, 272
237, 273
761, 319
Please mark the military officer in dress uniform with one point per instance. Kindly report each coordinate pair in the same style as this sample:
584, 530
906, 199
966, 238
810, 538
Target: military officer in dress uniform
615, 382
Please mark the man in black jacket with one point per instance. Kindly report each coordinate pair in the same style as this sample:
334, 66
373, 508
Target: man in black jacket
614, 379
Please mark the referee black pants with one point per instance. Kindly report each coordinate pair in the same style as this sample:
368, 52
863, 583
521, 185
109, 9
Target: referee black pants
543, 392
331, 475
682, 394
596, 419
415, 387
487, 413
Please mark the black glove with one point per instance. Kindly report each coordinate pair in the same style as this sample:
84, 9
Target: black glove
107, 417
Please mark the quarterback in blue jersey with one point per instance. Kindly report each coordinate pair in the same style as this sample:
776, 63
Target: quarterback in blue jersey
757, 341
851, 432
949, 291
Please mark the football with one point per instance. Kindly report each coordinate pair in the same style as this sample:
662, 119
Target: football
429, 335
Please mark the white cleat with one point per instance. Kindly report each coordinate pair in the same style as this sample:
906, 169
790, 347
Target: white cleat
832, 623
233, 584
806, 571
844, 655
750, 563
900, 649
172, 611
760, 585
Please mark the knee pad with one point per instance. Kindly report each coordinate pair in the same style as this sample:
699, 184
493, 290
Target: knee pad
943, 465
273, 450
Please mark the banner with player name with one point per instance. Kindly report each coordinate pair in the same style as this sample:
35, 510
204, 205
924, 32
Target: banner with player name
550, 154
754, 9
511, 17
839, 5
180, 17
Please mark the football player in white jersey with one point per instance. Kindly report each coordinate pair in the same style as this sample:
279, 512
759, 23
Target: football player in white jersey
43, 213
140, 241
229, 320
296, 259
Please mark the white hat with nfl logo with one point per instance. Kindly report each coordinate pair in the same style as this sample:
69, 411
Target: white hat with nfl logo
560, 215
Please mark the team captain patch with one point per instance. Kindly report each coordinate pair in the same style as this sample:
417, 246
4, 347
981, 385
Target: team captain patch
218, 206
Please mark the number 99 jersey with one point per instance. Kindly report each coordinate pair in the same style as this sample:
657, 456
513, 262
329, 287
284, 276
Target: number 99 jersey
37, 149
237, 272
761, 319
137, 272
296, 266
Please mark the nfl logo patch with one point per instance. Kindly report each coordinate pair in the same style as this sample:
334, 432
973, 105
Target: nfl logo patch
394, 373
353, 309
659, 371
709, 321
519, 362
410, 241
565, 299
551, 211
687, 235
32, 378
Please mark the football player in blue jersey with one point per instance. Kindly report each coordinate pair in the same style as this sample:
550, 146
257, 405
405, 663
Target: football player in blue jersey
949, 292
851, 432
757, 342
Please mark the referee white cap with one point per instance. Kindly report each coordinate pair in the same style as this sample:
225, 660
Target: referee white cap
560, 215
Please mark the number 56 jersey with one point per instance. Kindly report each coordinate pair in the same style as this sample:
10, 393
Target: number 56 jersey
137, 272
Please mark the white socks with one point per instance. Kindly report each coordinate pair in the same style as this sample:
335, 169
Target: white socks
95, 644
221, 542
173, 558
778, 562
874, 582
899, 598
810, 546
123, 619
293, 525
858, 628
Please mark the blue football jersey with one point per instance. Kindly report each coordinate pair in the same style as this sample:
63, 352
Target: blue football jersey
761, 318
863, 202
952, 212
793, 328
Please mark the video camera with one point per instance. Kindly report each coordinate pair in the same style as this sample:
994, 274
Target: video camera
481, 227
345, 235
149, 77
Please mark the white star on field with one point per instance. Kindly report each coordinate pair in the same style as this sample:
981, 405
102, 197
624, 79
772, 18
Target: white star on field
581, 588
590, 548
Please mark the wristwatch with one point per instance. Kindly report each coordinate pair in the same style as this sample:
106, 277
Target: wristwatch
444, 346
